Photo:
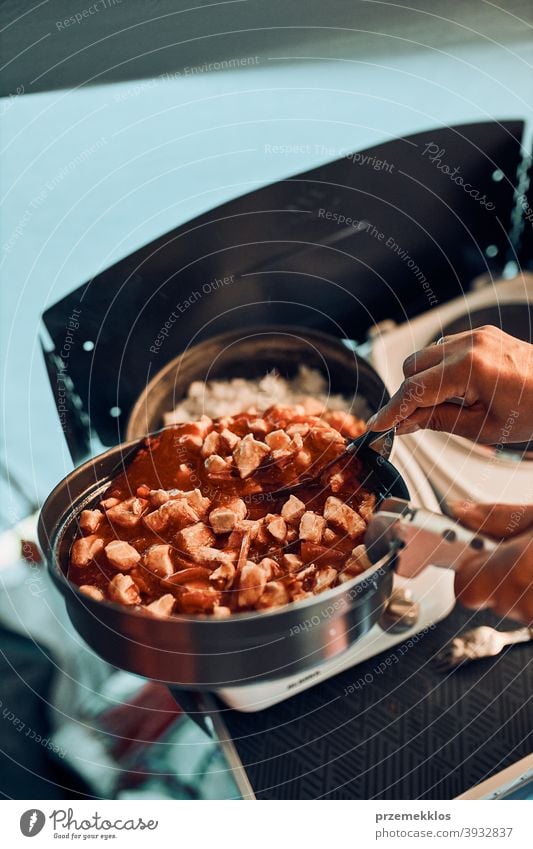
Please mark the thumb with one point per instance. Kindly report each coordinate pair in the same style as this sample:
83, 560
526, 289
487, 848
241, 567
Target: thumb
497, 520
449, 418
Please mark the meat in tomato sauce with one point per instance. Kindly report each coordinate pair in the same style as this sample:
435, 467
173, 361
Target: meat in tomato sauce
191, 525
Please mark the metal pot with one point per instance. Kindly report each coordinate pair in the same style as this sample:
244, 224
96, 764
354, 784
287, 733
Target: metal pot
199, 652
251, 353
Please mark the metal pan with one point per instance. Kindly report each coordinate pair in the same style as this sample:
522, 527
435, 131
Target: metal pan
195, 652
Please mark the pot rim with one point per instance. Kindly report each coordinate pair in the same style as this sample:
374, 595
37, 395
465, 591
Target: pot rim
221, 339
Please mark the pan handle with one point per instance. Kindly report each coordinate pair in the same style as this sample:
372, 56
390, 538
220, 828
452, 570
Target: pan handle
423, 537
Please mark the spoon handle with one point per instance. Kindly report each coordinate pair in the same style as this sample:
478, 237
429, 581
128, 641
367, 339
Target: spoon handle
521, 635
366, 439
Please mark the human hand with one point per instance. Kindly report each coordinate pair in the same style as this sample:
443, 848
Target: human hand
489, 370
501, 579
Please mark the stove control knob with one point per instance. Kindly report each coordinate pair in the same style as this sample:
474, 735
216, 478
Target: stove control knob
401, 613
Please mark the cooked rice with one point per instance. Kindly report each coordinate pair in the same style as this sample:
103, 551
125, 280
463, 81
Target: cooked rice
229, 397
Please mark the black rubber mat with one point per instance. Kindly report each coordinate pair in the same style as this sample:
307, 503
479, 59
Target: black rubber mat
408, 732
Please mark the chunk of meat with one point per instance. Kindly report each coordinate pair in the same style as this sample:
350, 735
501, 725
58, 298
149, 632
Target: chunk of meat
299, 428
86, 549
198, 429
195, 537
293, 510
278, 439
250, 527
263, 536
277, 528
249, 454
211, 444
128, 514
176, 513
179, 512
228, 440
312, 527
269, 567
348, 424
292, 562
251, 584
223, 519
161, 607
201, 427
92, 592
325, 578
158, 560
147, 582
303, 460
216, 465
285, 412
223, 576
292, 535
258, 427
307, 576
342, 516
239, 507
244, 550
156, 521
157, 497
191, 441
358, 561
323, 437
199, 503
322, 555
275, 594
89, 520
123, 590
221, 612
297, 442
121, 555
331, 537
214, 557
197, 575
107, 503
198, 600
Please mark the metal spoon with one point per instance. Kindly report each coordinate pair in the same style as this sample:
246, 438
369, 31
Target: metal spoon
350, 450
478, 643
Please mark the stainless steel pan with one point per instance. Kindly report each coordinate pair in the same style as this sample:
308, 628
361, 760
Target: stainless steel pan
200, 652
